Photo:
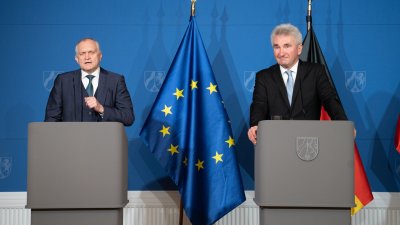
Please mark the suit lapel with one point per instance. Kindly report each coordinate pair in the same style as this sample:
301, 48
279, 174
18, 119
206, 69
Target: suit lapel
301, 72
78, 94
101, 88
278, 79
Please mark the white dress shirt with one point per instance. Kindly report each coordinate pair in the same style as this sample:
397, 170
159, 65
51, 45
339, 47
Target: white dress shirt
95, 80
294, 72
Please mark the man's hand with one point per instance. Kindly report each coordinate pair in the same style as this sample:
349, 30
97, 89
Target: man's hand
92, 103
252, 133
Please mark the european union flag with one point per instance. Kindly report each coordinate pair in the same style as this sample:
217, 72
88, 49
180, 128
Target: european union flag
188, 131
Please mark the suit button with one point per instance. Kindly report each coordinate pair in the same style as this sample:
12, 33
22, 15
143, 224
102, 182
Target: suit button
90, 113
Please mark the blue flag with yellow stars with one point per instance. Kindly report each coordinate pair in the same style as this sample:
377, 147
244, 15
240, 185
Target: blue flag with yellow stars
188, 131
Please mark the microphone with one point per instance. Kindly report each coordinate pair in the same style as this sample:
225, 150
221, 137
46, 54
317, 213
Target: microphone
276, 117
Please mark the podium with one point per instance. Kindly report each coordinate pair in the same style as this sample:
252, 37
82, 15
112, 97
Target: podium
304, 172
77, 173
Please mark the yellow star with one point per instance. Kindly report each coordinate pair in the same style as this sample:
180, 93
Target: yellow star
178, 93
230, 141
173, 149
164, 130
185, 161
212, 88
193, 84
217, 157
167, 110
199, 165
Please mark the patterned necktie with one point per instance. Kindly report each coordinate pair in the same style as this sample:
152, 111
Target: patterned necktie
289, 85
89, 88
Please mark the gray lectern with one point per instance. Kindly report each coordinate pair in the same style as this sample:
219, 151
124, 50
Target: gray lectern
304, 172
77, 173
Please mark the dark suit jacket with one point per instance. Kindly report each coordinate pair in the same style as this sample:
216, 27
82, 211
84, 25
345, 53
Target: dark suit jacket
311, 90
66, 100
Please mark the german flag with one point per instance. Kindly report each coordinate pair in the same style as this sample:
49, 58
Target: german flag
362, 193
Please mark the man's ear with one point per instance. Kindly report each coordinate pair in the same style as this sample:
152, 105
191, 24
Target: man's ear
299, 49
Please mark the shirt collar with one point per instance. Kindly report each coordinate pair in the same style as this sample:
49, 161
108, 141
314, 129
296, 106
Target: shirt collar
96, 73
293, 69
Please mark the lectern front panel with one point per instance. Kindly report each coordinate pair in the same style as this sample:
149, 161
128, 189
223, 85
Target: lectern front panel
77, 165
304, 164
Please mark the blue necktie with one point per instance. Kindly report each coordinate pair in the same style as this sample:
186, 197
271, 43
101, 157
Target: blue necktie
89, 88
289, 86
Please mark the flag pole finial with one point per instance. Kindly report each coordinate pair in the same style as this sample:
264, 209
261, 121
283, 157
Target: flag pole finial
308, 18
193, 7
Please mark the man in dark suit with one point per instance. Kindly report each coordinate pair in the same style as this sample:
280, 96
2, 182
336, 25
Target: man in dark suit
90, 93
291, 89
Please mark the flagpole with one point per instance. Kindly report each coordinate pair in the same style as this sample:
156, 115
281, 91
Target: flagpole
308, 18
181, 212
193, 7
193, 11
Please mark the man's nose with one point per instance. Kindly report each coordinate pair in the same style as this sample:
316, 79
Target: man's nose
281, 52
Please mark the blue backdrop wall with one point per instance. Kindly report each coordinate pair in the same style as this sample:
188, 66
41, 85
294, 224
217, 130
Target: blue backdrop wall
139, 39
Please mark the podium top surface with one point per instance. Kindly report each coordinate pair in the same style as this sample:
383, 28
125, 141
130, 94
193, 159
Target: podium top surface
75, 124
